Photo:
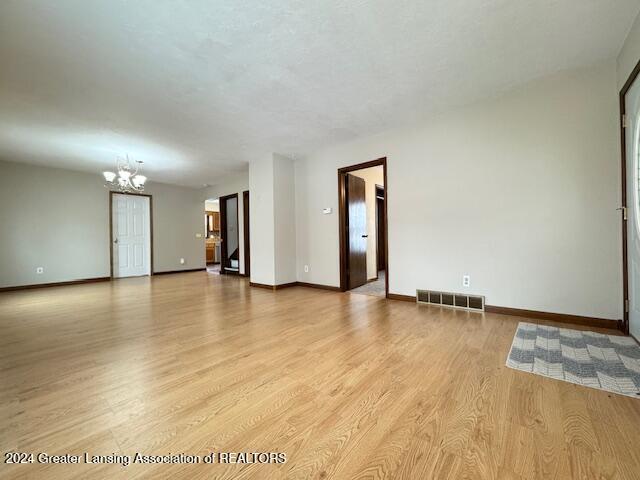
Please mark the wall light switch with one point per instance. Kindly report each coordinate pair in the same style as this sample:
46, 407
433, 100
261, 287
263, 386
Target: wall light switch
40, 270
327, 211
198, 235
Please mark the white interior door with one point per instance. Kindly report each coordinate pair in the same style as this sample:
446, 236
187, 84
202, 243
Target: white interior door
632, 132
131, 235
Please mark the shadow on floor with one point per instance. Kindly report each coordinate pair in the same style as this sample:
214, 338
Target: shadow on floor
374, 288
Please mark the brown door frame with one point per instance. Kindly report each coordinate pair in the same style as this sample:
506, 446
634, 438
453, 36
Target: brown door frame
245, 233
223, 231
623, 142
378, 187
111, 193
342, 201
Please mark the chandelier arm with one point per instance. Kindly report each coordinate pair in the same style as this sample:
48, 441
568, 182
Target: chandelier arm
125, 184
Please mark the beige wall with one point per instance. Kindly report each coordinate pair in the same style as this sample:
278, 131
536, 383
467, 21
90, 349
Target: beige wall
273, 232
210, 206
261, 221
520, 192
59, 220
284, 219
372, 176
177, 218
629, 54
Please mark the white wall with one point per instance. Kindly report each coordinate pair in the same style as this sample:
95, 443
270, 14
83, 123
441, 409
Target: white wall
273, 232
59, 220
261, 221
211, 206
177, 218
284, 220
228, 185
519, 192
629, 54
55, 219
372, 176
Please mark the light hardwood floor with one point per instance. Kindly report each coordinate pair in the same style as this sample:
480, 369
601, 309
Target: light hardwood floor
348, 386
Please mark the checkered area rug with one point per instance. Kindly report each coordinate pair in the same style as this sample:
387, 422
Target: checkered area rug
595, 360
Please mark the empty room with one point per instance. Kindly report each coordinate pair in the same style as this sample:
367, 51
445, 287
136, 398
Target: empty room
320, 240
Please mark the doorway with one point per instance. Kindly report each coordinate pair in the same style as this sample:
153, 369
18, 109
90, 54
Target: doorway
630, 109
229, 237
364, 265
212, 238
131, 235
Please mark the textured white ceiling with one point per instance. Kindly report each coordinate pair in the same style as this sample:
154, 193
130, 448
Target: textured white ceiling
196, 88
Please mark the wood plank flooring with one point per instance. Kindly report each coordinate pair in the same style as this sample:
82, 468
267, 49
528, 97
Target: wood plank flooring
348, 386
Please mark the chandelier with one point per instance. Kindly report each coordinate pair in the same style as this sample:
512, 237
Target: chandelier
127, 179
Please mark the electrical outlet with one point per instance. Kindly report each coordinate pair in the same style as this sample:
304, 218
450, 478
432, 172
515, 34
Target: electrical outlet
306, 269
182, 261
40, 270
466, 280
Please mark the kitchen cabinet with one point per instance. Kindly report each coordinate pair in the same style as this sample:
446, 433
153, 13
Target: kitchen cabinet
212, 251
212, 223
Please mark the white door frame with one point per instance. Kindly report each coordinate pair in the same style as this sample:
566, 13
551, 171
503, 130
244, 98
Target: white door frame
111, 194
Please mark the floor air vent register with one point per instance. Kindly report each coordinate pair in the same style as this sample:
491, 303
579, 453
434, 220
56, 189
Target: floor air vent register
453, 300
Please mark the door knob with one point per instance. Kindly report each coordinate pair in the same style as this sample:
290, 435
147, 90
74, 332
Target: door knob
115, 241
365, 236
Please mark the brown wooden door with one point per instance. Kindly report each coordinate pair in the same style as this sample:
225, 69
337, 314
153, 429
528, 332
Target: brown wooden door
356, 231
247, 249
